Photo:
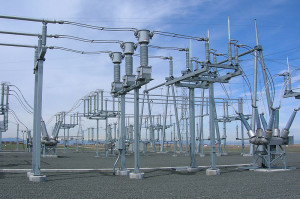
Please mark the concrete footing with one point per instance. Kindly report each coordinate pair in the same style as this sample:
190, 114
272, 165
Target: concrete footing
49, 156
213, 172
174, 155
36, 178
224, 153
219, 154
270, 170
122, 172
138, 176
202, 155
247, 155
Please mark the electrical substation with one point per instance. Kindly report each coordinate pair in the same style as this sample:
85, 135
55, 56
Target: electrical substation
140, 120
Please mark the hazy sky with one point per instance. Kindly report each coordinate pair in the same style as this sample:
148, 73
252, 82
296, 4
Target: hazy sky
69, 76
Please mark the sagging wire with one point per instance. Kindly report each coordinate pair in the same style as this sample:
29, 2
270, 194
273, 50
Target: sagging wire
22, 96
21, 103
98, 27
16, 118
170, 34
77, 51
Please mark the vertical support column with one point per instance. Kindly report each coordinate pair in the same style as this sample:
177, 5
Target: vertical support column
35, 174
177, 119
201, 137
97, 138
212, 170
240, 109
165, 121
225, 104
192, 129
136, 173
17, 140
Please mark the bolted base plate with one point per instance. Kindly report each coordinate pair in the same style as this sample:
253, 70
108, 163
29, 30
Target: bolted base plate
138, 176
122, 172
38, 178
213, 172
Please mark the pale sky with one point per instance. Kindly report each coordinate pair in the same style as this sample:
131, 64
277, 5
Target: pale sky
68, 76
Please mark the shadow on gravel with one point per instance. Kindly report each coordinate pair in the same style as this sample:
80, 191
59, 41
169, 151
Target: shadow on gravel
157, 173
68, 176
2, 175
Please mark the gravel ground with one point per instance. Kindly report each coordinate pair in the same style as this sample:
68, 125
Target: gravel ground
232, 183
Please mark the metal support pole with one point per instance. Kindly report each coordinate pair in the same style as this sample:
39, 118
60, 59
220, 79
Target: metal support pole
97, 138
136, 133
36, 161
192, 126
201, 137
122, 138
240, 109
17, 141
212, 126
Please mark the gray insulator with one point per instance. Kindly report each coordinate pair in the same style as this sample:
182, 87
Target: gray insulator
207, 54
171, 67
117, 73
229, 54
128, 64
144, 54
236, 57
44, 34
187, 59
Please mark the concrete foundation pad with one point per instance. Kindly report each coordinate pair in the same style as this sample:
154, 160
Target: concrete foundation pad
49, 156
122, 172
202, 156
213, 172
193, 169
174, 155
219, 154
137, 176
247, 155
96, 156
29, 174
224, 153
39, 178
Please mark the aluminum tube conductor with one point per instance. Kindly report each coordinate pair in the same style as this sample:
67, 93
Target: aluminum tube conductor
285, 132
